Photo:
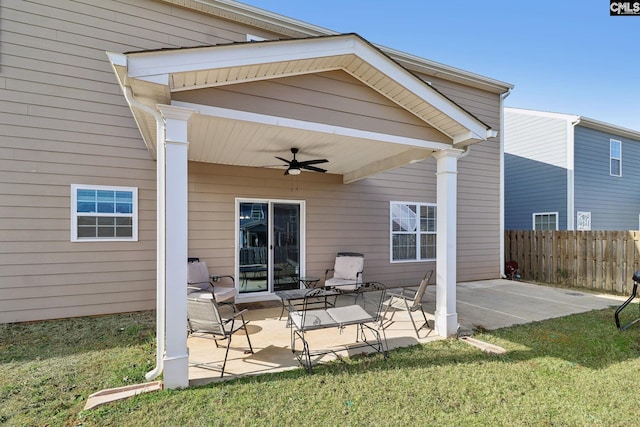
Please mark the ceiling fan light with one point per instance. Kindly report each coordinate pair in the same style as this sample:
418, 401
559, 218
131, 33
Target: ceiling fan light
294, 171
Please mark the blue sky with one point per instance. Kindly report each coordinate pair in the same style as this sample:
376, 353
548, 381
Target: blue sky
565, 56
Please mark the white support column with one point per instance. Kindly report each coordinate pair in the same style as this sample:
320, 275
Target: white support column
176, 358
446, 317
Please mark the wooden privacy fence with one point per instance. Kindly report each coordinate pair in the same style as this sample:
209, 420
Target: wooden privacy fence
598, 260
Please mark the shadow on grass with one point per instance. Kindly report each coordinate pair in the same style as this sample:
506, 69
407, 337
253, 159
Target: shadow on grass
587, 339
64, 337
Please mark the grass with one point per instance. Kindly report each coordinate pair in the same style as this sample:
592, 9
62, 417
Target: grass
572, 371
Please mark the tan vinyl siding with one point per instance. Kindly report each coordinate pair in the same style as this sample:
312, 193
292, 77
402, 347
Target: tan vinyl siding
478, 187
353, 217
333, 98
63, 121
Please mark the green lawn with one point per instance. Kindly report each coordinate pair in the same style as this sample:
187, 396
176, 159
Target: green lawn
573, 371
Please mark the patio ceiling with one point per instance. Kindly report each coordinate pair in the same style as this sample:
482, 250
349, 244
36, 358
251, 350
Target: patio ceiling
232, 137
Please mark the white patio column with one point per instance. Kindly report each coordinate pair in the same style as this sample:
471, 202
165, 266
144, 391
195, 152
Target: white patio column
176, 358
446, 317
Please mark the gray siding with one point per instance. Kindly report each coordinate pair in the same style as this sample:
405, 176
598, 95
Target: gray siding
535, 162
63, 121
614, 202
533, 187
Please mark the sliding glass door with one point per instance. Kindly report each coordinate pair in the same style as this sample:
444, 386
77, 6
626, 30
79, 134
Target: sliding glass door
269, 245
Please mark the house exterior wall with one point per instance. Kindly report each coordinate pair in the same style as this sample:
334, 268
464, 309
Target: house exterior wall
479, 230
614, 201
536, 166
65, 121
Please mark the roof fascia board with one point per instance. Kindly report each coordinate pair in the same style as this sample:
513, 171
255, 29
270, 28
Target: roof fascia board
310, 126
284, 25
145, 65
609, 128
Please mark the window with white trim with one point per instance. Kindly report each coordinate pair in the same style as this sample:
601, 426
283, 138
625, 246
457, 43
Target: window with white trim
101, 213
545, 221
615, 157
413, 231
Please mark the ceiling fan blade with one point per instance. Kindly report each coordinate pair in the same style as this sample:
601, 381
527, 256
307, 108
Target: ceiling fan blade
313, 162
313, 168
284, 160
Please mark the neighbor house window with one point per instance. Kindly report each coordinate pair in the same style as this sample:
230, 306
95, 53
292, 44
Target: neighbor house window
104, 213
545, 221
584, 221
413, 231
615, 157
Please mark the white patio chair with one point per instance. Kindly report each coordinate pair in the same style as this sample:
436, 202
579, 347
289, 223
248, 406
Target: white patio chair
347, 271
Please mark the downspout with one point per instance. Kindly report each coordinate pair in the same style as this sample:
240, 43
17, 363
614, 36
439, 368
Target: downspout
501, 199
160, 236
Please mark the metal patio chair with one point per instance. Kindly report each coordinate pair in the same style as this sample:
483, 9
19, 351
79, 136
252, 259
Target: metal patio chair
200, 283
409, 300
204, 318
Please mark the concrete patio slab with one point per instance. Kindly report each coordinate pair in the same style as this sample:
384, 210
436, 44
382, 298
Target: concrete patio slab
489, 304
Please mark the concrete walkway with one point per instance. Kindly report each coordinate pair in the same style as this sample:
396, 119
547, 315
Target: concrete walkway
490, 304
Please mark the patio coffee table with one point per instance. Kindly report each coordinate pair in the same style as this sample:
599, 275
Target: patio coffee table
295, 298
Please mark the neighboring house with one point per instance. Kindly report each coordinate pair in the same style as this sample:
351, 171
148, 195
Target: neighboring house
118, 166
568, 172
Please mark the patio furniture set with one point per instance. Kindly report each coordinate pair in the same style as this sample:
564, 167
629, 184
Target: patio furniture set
343, 300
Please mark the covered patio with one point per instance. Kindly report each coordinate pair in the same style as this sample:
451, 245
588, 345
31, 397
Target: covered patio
183, 116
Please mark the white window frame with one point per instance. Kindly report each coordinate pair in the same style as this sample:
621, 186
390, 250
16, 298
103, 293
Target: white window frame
75, 214
613, 158
533, 217
583, 221
416, 230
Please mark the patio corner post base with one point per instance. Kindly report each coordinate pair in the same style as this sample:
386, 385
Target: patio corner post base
446, 325
176, 372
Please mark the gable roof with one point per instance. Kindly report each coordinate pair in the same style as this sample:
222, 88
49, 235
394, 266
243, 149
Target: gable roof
152, 76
